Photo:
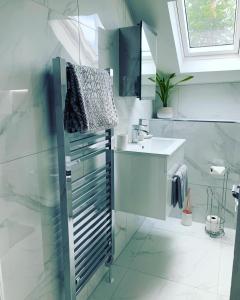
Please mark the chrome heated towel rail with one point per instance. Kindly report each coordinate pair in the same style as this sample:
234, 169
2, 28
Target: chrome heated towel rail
86, 194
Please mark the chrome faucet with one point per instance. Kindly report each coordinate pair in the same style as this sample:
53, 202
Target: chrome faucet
140, 131
144, 126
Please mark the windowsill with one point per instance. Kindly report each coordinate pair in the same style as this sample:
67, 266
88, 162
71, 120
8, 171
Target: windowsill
198, 120
214, 64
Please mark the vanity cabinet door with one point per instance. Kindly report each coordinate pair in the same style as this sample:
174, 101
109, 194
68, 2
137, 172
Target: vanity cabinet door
140, 185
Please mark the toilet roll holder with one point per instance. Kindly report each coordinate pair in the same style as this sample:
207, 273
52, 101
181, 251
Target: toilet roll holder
216, 208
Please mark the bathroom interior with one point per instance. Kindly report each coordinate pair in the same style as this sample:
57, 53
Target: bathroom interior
162, 181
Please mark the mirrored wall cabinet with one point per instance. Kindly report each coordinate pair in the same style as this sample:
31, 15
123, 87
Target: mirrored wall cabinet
137, 61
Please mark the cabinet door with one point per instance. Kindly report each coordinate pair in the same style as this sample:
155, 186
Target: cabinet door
140, 185
130, 61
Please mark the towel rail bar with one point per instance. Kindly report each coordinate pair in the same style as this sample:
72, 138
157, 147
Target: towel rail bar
80, 273
85, 252
102, 216
93, 154
81, 206
84, 262
86, 194
92, 235
91, 184
91, 176
89, 217
92, 206
81, 193
75, 136
94, 267
88, 140
78, 151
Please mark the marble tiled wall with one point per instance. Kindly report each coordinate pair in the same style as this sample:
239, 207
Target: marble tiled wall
32, 33
216, 101
207, 143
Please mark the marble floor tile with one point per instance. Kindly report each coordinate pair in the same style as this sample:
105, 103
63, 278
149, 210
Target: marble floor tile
120, 232
95, 279
83, 295
221, 297
225, 272
174, 225
140, 286
197, 229
105, 290
183, 259
165, 260
132, 249
229, 236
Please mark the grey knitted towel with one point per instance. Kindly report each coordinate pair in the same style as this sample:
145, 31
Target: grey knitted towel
89, 100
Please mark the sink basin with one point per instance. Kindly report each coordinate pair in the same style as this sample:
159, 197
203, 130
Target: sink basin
155, 146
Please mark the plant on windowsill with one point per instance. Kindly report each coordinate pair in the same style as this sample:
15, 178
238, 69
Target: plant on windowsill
165, 84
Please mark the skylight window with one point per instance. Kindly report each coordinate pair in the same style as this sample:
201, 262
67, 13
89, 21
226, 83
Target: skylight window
208, 26
206, 34
210, 22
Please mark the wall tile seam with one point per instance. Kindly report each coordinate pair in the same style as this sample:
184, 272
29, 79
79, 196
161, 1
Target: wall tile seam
61, 13
206, 185
28, 155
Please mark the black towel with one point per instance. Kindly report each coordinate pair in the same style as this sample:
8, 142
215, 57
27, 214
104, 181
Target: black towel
75, 118
177, 192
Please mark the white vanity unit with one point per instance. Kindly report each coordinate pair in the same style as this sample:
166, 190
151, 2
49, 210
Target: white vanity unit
143, 176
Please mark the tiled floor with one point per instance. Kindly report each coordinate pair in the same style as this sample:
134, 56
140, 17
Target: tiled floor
167, 261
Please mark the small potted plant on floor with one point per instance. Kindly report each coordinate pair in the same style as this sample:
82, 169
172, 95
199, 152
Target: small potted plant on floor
165, 84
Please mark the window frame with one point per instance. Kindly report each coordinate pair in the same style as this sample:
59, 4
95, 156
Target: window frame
205, 51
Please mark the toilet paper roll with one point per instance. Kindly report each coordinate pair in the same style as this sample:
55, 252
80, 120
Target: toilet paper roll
213, 223
121, 141
217, 170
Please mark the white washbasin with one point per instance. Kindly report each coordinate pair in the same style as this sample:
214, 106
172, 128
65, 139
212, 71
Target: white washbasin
155, 146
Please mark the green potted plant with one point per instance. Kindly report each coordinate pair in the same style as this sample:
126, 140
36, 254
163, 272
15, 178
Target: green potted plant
165, 84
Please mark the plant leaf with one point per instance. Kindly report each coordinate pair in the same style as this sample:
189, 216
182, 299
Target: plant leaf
153, 79
164, 85
172, 75
160, 96
185, 79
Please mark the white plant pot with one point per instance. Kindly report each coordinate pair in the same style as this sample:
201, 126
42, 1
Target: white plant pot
165, 112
